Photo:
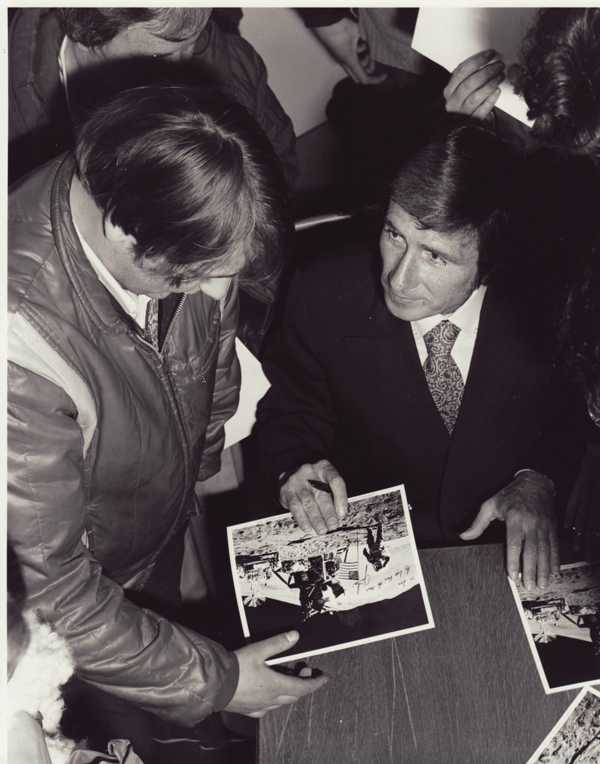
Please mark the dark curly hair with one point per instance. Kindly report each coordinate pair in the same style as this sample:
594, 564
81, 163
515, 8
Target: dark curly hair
561, 78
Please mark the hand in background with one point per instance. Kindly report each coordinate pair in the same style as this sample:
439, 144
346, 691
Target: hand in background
474, 86
343, 41
261, 689
526, 506
315, 509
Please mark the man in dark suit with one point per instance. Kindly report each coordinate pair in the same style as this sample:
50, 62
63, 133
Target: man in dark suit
414, 367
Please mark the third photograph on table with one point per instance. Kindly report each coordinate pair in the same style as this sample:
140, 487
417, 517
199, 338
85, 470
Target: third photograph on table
562, 623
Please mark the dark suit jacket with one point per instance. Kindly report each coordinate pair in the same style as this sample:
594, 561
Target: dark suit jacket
347, 385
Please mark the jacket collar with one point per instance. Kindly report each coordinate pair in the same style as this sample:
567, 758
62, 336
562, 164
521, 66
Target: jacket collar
102, 308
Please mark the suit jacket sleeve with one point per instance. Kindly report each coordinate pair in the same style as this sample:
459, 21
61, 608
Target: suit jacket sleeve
125, 650
296, 419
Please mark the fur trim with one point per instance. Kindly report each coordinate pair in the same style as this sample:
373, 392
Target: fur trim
35, 686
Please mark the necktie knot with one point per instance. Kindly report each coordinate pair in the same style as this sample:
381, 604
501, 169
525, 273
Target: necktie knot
440, 340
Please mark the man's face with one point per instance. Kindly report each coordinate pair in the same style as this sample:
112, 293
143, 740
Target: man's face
425, 273
149, 278
139, 40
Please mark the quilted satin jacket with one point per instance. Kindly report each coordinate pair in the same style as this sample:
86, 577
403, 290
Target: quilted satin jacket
106, 440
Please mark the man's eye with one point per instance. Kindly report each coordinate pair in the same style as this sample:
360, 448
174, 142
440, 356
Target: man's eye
392, 234
434, 257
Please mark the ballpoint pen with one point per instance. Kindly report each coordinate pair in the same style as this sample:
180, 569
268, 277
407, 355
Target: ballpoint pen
320, 485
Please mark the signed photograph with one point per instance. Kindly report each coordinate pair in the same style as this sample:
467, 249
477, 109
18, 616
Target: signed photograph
359, 583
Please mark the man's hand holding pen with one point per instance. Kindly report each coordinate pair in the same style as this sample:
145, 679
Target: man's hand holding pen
316, 496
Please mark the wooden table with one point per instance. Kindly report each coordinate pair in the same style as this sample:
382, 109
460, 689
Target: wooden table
465, 692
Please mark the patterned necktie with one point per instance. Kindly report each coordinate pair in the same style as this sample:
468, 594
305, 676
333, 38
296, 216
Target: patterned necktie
442, 374
151, 329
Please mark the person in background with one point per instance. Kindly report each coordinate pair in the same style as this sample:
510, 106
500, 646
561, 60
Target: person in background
413, 367
123, 263
558, 76
52, 52
391, 93
366, 40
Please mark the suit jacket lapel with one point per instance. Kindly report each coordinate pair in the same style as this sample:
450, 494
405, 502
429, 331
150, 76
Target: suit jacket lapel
398, 387
482, 419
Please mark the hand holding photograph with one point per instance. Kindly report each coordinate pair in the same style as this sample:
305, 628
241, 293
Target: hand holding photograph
357, 584
562, 624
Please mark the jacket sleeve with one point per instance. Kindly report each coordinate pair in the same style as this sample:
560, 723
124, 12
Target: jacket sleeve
123, 649
29, 107
227, 386
38, 118
249, 85
296, 419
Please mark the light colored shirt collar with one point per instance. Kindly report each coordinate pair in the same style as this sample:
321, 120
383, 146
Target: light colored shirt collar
466, 317
135, 305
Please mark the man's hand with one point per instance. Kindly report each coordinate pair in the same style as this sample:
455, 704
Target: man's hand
526, 506
260, 688
345, 44
315, 509
474, 86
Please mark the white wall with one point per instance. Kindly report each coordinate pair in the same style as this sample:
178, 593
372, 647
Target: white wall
301, 72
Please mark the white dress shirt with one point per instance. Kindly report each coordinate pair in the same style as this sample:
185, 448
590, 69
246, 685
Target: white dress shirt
135, 305
466, 318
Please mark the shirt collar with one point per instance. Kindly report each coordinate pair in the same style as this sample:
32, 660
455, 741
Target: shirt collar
466, 317
133, 304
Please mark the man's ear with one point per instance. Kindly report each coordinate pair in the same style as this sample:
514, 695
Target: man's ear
116, 235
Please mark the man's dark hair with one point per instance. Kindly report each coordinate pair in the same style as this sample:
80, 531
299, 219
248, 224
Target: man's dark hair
460, 179
94, 27
187, 173
561, 78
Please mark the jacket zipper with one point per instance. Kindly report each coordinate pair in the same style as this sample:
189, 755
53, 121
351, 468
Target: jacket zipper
166, 381
164, 376
178, 310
